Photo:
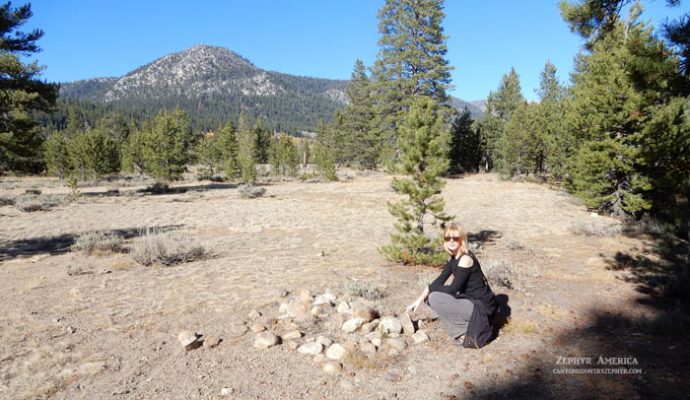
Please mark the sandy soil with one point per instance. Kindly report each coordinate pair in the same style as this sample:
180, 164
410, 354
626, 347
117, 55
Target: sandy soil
110, 330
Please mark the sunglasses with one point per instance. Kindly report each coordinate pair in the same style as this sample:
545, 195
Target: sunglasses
454, 238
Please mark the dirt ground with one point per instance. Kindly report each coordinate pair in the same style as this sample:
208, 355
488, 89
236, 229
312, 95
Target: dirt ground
77, 326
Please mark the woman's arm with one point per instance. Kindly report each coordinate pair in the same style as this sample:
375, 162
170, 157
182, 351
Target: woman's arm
459, 277
413, 307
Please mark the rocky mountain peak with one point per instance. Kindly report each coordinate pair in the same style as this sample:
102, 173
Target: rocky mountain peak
199, 70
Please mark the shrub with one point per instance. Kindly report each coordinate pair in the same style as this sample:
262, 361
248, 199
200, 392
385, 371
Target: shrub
363, 289
499, 273
594, 228
92, 241
6, 201
251, 191
31, 203
166, 249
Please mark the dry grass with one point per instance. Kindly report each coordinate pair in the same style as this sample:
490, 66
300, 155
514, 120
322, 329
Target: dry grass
522, 326
31, 202
251, 192
166, 249
363, 289
98, 242
552, 312
356, 359
596, 228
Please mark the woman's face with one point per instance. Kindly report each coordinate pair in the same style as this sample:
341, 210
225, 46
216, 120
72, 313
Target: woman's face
452, 242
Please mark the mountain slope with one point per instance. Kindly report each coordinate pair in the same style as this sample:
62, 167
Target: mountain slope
214, 85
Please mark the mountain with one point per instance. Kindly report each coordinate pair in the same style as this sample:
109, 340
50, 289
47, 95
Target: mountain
214, 85
475, 111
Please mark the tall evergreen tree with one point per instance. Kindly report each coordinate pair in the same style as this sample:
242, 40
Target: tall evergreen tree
21, 93
500, 106
229, 148
555, 143
362, 146
283, 156
246, 152
605, 117
167, 145
465, 148
411, 62
56, 154
423, 150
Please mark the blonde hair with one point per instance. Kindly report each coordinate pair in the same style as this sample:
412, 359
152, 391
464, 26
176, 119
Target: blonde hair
456, 229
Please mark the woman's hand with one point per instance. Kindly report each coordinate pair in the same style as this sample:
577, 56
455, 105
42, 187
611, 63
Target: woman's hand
414, 306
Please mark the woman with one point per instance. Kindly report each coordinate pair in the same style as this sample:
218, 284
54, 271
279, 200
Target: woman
467, 302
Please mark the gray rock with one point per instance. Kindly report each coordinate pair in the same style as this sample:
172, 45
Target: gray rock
265, 340
211, 341
292, 345
367, 348
370, 326
344, 308
406, 323
253, 314
292, 335
319, 358
305, 295
186, 338
378, 342
324, 340
312, 348
398, 344
226, 391
420, 337
322, 300
390, 325
368, 314
352, 325
336, 351
332, 367
330, 296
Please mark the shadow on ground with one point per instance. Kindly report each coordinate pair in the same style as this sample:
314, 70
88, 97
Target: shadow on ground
483, 237
62, 243
630, 356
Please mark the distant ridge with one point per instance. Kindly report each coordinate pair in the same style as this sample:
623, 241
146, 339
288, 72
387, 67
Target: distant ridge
214, 85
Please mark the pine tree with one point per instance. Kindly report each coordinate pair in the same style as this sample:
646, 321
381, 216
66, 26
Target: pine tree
605, 117
210, 154
555, 143
21, 93
304, 152
167, 145
246, 153
56, 155
411, 63
229, 148
132, 151
423, 150
283, 156
465, 148
263, 141
323, 153
362, 146
500, 106
520, 146
92, 154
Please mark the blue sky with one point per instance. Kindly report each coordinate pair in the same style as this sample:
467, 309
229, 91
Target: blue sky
320, 38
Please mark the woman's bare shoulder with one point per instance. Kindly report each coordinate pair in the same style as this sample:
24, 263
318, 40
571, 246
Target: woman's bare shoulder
466, 261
